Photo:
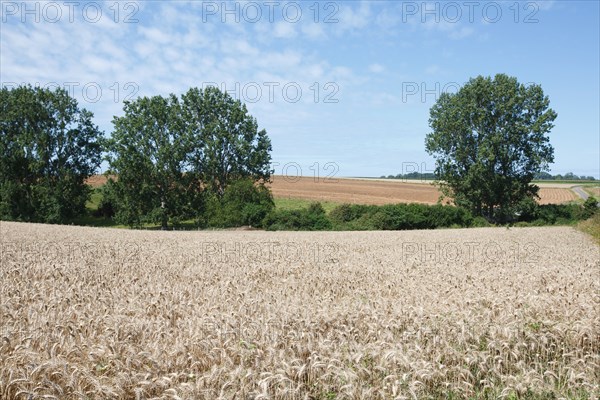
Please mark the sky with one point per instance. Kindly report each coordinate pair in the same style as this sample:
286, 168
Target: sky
343, 88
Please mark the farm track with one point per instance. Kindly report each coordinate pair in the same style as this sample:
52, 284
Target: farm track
107, 313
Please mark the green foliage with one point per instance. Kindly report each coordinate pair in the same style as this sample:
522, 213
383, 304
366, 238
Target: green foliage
399, 217
349, 212
480, 222
48, 148
151, 155
227, 143
243, 204
590, 207
174, 155
489, 140
108, 201
531, 213
312, 218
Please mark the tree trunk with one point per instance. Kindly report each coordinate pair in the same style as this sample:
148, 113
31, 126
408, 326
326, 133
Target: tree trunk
165, 218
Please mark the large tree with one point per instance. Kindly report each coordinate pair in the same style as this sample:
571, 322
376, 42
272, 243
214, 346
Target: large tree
150, 154
228, 144
48, 148
168, 152
489, 140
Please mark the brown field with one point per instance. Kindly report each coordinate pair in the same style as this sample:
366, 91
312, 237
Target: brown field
355, 191
378, 191
91, 313
556, 195
372, 191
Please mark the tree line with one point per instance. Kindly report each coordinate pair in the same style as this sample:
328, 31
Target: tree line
569, 176
169, 157
201, 156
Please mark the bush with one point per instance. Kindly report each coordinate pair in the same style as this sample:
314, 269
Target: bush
553, 214
480, 222
312, 218
243, 204
399, 217
349, 212
590, 207
559, 213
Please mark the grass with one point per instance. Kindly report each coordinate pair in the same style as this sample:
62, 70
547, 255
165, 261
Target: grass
591, 227
297, 204
592, 190
94, 201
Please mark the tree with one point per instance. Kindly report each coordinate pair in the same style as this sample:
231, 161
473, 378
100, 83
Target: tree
489, 140
150, 153
228, 144
48, 148
168, 153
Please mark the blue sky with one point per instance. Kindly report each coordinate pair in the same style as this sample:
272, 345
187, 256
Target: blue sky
343, 82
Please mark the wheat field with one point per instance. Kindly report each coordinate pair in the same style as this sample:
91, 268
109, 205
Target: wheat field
91, 313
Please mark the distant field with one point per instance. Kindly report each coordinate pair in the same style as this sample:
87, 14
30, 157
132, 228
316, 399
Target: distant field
594, 191
384, 191
296, 192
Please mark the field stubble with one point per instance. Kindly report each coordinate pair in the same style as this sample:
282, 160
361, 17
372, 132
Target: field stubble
101, 313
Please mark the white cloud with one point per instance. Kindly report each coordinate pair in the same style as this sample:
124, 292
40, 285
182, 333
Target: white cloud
461, 33
313, 31
283, 29
376, 68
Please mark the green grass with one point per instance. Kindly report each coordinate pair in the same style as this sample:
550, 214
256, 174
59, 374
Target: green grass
297, 204
94, 201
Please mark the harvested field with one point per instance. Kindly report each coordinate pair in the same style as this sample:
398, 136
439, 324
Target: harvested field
104, 313
354, 191
373, 191
556, 195
380, 191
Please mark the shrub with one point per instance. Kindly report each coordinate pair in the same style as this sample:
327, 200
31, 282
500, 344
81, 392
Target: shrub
480, 222
399, 217
312, 218
590, 207
243, 203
